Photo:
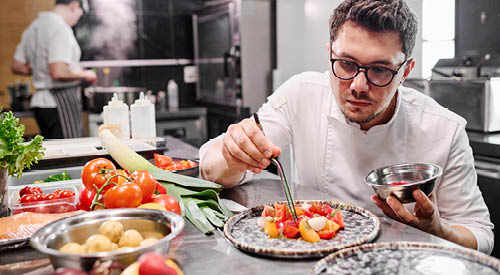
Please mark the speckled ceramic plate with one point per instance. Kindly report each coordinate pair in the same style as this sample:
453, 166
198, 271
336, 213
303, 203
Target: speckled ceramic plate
242, 231
408, 258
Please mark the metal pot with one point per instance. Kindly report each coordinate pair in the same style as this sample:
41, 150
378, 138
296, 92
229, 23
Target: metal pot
95, 98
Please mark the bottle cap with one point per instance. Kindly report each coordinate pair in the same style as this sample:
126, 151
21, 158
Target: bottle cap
115, 101
142, 101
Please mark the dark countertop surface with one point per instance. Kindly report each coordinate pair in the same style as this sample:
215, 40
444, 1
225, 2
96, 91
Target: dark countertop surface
213, 254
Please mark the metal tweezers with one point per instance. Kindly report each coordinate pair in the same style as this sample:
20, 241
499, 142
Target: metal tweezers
281, 172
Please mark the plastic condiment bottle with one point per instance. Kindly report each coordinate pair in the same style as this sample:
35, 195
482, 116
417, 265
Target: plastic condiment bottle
116, 113
142, 117
173, 95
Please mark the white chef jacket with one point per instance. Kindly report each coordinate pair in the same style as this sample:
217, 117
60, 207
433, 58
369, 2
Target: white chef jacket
47, 40
333, 155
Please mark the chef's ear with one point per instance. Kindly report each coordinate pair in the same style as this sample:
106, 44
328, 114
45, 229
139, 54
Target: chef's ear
328, 49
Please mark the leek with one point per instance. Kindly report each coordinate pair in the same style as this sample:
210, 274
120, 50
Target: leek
199, 199
130, 160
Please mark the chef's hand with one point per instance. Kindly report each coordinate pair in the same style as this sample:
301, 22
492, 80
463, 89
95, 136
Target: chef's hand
89, 76
246, 148
425, 217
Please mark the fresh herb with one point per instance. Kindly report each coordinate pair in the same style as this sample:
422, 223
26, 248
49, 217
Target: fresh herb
15, 155
57, 177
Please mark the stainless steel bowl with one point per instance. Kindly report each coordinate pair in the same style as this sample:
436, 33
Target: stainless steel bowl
418, 176
51, 237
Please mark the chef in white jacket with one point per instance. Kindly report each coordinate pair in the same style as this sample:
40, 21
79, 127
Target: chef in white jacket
357, 117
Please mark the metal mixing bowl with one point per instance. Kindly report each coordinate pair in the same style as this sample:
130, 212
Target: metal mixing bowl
418, 176
52, 236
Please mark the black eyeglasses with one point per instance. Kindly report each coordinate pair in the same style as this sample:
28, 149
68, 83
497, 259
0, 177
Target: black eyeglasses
376, 75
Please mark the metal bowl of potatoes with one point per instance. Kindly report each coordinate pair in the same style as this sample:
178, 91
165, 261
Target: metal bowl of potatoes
120, 235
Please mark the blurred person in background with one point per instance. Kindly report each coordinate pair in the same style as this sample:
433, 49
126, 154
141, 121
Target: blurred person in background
356, 117
49, 52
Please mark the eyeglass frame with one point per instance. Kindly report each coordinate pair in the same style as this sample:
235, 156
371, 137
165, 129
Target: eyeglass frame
365, 68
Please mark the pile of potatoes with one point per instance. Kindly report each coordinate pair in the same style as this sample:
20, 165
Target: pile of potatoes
111, 237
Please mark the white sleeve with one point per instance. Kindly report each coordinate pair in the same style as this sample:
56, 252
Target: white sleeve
247, 176
458, 197
60, 49
20, 55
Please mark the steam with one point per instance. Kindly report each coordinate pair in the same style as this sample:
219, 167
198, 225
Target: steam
115, 35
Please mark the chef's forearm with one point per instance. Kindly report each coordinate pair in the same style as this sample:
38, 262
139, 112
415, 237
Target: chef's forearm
20, 68
459, 235
214, 167
63, 72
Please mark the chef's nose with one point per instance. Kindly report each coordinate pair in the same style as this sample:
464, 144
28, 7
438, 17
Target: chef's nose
360, 82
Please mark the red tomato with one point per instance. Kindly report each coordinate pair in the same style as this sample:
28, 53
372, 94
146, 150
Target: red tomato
320, 209
326, 234
50, 196
268, 211
152, 263
162, 161
86, 198
66, 194
338, 219
120, 179
27, 198
280, 211
291, 229
96, 172
169, 202
30, 190
160, 189
147, 182
124, 195
399, 183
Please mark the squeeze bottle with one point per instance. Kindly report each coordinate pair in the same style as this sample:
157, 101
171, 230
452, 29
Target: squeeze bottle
173, 95
142, 116
116, 113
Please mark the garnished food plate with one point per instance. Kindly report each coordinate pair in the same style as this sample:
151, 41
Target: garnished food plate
407, 258
243, 231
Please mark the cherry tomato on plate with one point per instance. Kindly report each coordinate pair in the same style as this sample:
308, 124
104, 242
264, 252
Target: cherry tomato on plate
96, 172
147, 182
169, 202
125, 195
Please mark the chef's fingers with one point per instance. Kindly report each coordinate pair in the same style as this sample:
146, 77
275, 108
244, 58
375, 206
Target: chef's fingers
424, 206
234, 150
261, 143
401, 211
384, 207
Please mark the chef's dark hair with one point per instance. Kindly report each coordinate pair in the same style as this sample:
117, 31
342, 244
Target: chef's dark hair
378, 16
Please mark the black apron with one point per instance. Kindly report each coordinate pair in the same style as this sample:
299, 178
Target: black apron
69, 109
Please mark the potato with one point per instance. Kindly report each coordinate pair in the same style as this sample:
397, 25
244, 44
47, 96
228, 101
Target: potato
131, 238
112, 229
114, 246
149, 241
98, 243
73, 248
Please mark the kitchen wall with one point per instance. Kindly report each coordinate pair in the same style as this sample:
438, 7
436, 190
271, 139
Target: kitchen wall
303, 32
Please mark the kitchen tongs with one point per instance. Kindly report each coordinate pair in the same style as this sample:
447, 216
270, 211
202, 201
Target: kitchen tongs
281, 172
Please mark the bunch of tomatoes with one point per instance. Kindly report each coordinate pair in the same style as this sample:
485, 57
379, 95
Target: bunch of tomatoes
104, 186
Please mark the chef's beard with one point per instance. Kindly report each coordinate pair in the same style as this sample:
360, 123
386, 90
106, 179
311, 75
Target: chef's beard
360, 120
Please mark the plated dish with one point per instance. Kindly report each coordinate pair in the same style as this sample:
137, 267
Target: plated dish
407, 258
243, 232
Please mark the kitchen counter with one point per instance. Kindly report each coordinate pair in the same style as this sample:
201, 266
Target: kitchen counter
485, 144
213, 254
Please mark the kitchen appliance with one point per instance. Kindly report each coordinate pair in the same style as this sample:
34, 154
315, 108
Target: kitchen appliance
470, 87
95, 98
233, 52
477, 100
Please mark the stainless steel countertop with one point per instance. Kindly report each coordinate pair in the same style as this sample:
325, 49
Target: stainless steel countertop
213, 254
